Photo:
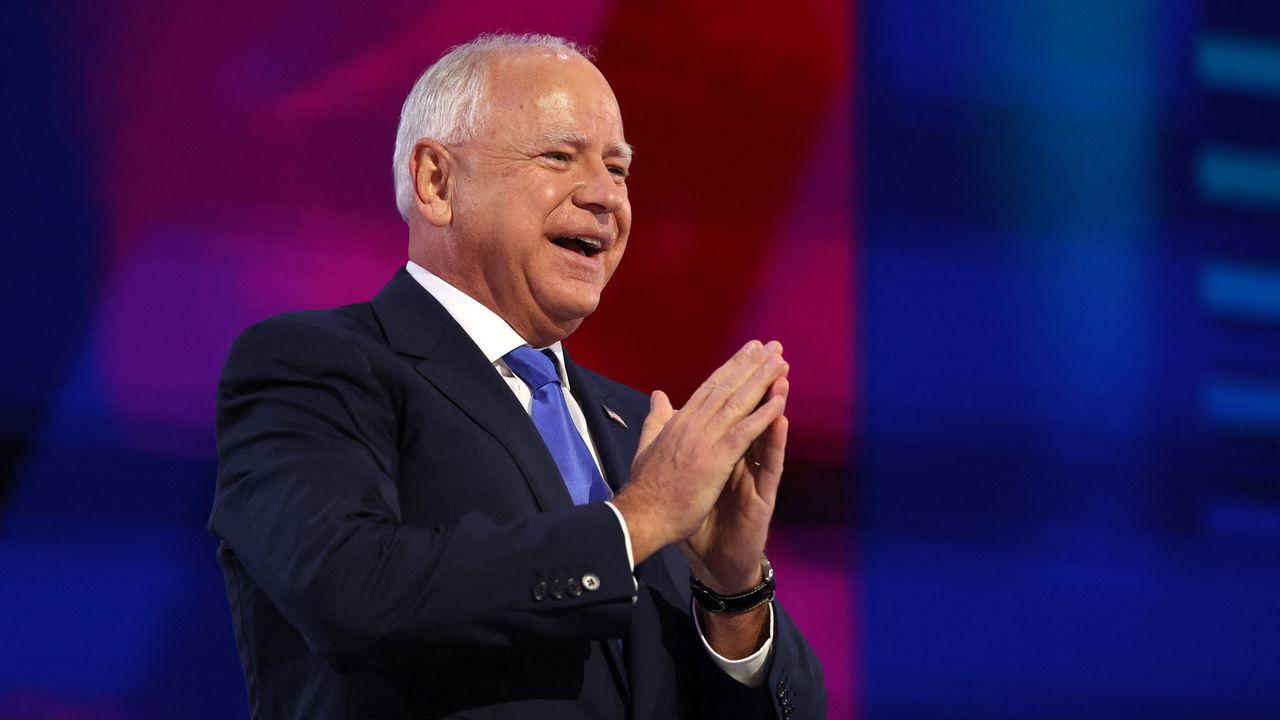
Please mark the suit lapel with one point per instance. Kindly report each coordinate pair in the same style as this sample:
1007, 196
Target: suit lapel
418, 326
608, 435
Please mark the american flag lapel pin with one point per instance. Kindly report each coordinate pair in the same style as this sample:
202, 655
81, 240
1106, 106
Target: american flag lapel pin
614, 416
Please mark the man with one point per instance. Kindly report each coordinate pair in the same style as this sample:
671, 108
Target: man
416, 495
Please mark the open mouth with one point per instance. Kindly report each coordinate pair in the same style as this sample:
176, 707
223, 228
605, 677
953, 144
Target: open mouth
583, 246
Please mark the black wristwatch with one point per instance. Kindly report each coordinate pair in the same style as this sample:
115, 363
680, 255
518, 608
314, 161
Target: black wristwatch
712, 601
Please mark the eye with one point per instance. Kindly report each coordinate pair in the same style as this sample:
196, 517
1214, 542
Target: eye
620, 171
556, 156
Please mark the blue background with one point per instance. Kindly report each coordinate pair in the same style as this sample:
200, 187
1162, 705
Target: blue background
1069, 500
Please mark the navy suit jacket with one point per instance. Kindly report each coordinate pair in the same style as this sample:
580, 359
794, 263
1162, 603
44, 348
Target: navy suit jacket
397, 542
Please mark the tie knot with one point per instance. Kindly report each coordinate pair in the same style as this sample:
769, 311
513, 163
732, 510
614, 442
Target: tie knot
536, 369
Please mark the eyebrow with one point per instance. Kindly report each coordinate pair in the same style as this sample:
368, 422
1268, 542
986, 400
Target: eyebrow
577, 139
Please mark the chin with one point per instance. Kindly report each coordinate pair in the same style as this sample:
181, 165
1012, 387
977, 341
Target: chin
570, 314
577, 312
570, 298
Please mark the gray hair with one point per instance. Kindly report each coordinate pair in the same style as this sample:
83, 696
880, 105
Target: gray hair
447, 103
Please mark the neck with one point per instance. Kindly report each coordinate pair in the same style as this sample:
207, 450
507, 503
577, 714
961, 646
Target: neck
538, 331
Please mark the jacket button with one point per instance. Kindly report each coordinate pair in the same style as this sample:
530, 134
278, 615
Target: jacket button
590, 582
540, 591
557, 589
573, 587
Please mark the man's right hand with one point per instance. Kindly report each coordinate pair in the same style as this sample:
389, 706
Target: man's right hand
684, 458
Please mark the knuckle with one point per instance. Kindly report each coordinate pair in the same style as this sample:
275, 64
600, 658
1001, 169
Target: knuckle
736, 405
713, 386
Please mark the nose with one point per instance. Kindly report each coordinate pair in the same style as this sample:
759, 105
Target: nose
598, 190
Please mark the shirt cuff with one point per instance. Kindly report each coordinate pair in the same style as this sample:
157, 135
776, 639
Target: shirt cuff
626, 539
750, 670
626, 535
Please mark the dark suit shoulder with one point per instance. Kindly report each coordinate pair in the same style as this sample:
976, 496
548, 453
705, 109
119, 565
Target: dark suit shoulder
633, 399
356, 320
311, 337
343, 347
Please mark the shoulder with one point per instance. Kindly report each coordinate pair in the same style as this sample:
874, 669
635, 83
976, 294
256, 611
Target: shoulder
312, 360
297, 330
309, 340
350, 321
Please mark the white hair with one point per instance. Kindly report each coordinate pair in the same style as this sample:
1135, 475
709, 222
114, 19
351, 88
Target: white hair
447, 103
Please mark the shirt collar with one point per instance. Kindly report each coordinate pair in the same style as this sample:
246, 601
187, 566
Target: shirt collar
486, 328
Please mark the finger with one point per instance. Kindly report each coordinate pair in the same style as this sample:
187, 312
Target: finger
749, 394
774, 444
747, 357
783, 383
758, 452
738, 438
781, 386
659, 413
742, 390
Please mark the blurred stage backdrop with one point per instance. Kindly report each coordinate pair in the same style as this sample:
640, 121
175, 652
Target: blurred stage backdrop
1023, 256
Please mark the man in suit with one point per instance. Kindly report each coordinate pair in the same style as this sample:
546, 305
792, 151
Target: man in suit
428, 510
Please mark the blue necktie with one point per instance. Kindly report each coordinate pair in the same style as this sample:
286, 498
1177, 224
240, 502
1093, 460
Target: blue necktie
551, 416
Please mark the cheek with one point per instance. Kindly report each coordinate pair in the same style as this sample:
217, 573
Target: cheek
624, 217
535, 206
615, 259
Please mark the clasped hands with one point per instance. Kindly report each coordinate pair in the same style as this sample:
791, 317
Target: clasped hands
706, 476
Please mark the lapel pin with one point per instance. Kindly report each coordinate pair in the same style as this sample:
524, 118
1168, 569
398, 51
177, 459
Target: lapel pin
614, 416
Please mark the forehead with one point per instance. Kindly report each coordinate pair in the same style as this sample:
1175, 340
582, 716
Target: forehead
533, 91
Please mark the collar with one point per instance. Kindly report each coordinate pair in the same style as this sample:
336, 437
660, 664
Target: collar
486, 328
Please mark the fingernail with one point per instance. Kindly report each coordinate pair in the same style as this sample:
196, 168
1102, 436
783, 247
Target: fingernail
753, 347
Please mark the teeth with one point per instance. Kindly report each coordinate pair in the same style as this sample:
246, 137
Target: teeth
587, 245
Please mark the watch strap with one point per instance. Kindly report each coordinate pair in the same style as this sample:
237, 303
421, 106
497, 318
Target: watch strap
749, 599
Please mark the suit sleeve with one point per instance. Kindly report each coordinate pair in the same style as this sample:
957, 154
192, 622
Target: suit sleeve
794, 682
306, 500
793, 687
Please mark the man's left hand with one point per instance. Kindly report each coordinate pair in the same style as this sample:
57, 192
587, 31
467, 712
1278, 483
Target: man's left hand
725, 552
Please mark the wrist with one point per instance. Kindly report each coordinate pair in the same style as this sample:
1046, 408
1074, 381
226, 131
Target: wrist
725, 583
645, 538
738, 601
735, 636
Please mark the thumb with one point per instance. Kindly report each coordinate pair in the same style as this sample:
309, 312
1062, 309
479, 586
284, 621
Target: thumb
659, 413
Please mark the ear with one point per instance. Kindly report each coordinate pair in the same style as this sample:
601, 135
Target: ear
431, 167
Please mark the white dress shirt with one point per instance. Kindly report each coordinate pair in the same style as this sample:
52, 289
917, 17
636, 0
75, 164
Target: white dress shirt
496, 338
